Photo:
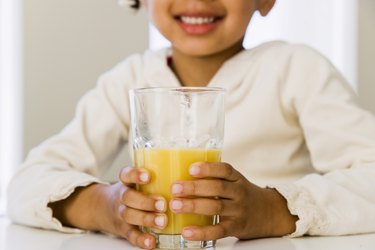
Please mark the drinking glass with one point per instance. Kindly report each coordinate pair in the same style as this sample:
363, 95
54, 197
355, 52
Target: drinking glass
171, 129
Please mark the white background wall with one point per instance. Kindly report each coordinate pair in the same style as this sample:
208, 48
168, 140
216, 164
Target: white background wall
328, 26
10, 93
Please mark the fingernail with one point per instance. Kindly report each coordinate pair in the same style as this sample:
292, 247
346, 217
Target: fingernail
160, 220
194, 170
177, 188
144, 176
187, 233
160, 205
176, 204
147, 242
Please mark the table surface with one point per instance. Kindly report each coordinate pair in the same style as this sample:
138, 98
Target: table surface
16, 237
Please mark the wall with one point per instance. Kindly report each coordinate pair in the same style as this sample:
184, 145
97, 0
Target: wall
328, 26
366, 53
67, 45
10, 94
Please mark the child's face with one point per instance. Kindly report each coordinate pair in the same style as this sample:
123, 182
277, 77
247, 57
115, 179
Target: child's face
203, 27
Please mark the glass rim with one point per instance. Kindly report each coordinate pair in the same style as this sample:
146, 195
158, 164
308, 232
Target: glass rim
182, 89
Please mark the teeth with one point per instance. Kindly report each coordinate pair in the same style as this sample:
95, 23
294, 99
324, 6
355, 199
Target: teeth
197, 20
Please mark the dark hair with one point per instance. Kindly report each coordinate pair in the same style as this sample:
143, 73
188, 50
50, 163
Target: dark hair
135, 4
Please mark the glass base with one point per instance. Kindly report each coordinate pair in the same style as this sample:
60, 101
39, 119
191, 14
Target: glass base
176, 241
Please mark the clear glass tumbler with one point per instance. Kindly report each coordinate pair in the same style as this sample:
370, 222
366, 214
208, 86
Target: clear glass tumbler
171, 129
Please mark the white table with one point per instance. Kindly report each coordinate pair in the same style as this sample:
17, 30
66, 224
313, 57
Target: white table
16, 237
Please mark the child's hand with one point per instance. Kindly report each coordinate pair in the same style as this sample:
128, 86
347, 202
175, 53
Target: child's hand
117, 209
246, 211
133, 208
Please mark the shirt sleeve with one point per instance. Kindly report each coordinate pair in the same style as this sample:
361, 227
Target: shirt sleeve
340, 135
75, 157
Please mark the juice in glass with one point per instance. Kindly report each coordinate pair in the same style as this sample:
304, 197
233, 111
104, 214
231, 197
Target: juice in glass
167, 166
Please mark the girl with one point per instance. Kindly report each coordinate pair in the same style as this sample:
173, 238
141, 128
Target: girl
300, 151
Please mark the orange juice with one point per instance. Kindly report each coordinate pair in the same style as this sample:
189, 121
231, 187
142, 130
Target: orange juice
167, 166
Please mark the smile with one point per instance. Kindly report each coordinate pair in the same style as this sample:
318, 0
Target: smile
197, 20
198, 24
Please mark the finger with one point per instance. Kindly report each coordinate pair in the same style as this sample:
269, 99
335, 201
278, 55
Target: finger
141, 218
132, 175
212, 232
219, 170
136, 237
204, 188
137, 200
221, 207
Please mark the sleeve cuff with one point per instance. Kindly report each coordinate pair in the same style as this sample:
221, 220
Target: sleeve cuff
301, 204
46, 212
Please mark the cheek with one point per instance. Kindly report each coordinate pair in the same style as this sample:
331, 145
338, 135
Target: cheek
237, 27
158, 16
242, 13
241, 20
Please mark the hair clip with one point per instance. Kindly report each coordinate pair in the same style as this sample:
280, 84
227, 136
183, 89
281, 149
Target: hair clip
130, 4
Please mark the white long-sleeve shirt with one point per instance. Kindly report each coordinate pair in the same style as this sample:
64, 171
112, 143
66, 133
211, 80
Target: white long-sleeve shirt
292, 122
